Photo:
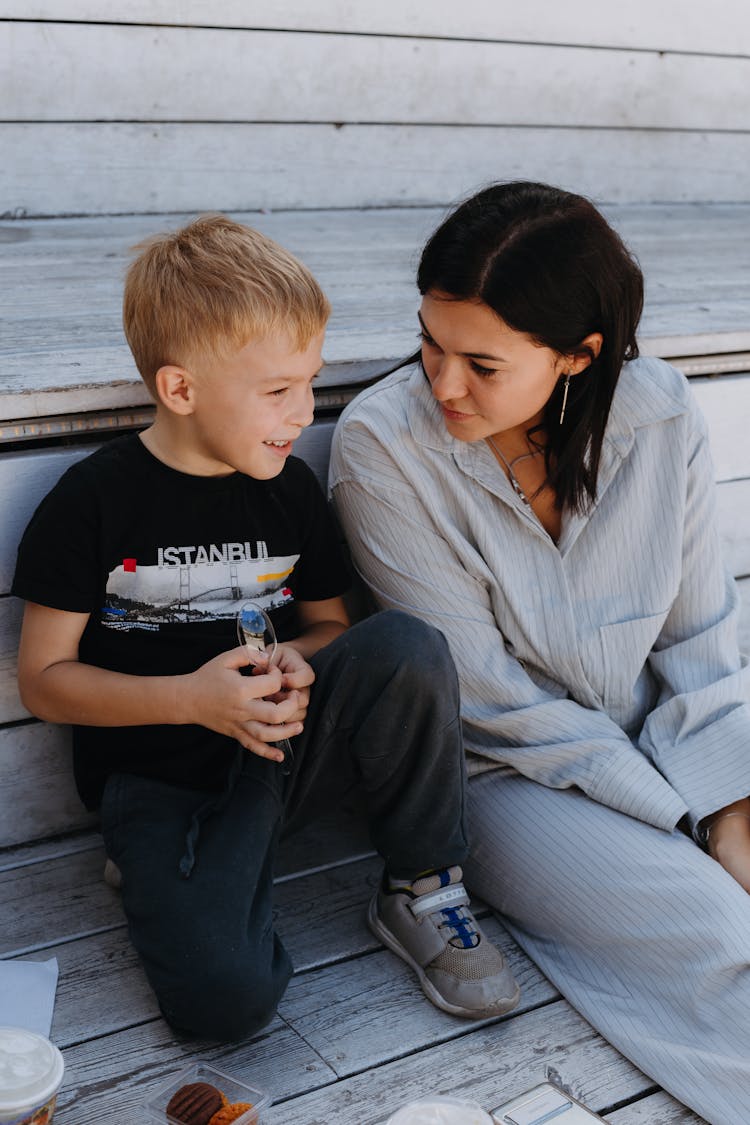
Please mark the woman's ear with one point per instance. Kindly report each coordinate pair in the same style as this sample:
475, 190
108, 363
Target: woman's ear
174, 387
580, 359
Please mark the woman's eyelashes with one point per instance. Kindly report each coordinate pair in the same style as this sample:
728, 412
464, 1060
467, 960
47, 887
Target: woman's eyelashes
476, 367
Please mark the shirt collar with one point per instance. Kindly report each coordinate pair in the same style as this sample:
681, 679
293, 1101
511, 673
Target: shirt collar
641, 399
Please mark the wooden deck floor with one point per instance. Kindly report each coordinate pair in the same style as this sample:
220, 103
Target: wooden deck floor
354, 1037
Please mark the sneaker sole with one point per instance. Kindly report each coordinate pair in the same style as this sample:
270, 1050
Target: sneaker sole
388, 939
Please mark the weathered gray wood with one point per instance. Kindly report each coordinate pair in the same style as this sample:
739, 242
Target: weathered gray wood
657, 1109
137, 73
733, 502
57, 901
11, 708
25, 479
101, 988
108, 1079
725, 402
119, 167
37, 794
671, 26
491, 1064
34, 852
694, 258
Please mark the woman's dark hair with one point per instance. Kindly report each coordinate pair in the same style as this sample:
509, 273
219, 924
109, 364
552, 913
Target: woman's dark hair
550, 266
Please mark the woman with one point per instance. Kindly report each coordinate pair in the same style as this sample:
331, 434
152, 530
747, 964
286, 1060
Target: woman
545, 497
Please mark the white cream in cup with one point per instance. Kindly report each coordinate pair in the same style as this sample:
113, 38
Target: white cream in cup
31, 1073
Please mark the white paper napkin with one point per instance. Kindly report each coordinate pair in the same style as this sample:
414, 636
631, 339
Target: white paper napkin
27, 994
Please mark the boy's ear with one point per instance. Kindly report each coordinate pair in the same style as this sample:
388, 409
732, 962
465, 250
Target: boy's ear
174, 387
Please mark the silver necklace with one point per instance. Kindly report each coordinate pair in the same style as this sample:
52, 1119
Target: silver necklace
508, 465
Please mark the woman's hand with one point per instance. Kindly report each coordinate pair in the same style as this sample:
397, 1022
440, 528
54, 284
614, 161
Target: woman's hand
729, 840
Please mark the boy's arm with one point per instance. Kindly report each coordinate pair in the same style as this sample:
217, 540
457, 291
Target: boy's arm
321, 623
55, 686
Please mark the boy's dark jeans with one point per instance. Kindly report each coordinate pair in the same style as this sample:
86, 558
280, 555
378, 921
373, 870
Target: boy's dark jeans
384, 713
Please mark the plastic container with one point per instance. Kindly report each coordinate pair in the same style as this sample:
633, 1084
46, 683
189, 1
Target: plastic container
440, 1111
232, 1089
31, 1073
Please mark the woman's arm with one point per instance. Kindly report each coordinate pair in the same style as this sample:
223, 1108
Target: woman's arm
397, 547
698, 735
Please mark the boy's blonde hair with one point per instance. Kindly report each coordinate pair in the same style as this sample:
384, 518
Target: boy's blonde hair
209, 289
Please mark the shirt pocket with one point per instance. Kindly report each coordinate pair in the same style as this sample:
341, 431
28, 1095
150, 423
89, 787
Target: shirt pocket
625, 680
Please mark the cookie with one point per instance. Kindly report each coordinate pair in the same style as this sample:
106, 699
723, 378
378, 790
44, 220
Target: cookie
230, 1113
195, 1104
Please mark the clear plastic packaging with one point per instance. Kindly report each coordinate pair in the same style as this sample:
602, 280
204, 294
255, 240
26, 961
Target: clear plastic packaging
233, 1090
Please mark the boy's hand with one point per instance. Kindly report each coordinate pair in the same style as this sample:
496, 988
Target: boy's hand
296, 679
217, 696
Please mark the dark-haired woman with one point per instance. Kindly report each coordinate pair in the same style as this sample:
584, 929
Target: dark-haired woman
546, 498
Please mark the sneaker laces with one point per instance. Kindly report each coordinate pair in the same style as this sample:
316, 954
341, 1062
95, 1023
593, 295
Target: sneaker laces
445, 886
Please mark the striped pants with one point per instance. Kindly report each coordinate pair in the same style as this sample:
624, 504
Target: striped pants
640, 930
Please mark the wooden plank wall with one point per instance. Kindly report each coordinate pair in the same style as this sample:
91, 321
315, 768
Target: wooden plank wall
179, 105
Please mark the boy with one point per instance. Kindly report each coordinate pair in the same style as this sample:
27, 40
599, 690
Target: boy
134, 568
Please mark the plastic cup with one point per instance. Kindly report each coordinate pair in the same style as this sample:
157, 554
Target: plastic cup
440, 1111
31, 1073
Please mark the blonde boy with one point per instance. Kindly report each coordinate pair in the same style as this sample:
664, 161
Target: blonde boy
133, 569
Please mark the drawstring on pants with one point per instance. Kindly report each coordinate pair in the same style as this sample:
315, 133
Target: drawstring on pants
204, 811
220, 800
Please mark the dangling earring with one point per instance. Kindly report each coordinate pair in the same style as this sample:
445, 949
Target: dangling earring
565, 397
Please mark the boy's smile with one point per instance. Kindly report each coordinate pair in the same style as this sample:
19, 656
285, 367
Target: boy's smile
236, 413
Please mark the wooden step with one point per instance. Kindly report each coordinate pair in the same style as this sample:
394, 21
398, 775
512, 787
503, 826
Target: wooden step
54, 360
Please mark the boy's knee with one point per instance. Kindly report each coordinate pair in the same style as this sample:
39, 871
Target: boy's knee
411, 642
226, 1002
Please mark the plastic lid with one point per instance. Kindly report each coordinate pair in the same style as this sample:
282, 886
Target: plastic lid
31, 1068
440, 1111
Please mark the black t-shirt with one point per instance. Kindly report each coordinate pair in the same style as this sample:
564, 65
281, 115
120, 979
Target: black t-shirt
162, 560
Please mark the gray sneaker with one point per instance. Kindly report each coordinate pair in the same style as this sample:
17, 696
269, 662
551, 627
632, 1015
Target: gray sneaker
431, 928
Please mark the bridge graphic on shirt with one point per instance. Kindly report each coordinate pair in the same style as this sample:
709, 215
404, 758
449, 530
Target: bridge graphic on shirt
145, 597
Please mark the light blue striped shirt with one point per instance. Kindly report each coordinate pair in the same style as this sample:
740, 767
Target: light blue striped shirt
609, 660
